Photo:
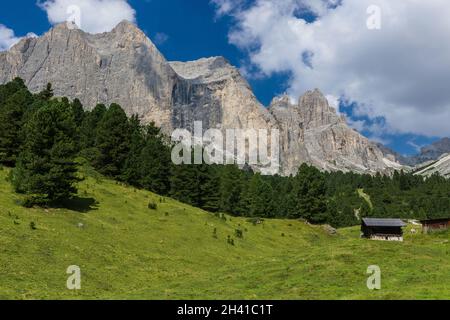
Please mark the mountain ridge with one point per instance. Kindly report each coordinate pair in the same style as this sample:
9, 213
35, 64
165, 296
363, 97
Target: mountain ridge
125, 67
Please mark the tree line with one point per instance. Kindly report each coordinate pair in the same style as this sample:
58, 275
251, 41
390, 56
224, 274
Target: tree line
42, 135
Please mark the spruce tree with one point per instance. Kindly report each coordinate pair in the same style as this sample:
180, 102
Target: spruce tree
88, 130
309, 191
112, 142
45, 169
11, 121
231, 188
47, 93
78, 112
259, 197
209, 187
154, 161
184, 185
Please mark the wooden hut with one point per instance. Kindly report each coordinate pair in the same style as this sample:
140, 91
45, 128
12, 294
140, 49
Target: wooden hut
382, 229
431, 225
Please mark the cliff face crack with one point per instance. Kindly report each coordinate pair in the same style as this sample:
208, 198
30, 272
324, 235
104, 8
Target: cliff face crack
40, 67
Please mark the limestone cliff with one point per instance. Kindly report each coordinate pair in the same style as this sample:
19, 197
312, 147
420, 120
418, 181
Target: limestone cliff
125, 67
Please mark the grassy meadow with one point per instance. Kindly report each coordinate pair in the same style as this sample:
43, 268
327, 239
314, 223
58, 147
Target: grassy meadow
128, 251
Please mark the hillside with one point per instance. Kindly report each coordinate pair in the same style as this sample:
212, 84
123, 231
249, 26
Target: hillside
127, 251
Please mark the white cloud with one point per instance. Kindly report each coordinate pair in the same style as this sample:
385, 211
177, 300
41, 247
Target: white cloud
224, 7
358, 125
333, 101
94, 16
399, 72
8, 37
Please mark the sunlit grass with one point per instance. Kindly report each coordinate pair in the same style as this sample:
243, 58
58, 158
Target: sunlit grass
127, 251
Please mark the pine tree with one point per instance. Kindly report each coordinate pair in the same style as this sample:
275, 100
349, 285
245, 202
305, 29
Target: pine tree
154, 161
130, 172
45, 169
10, 88
88, 130
47, 93
112, 142
78, 112
309, 190
231, 183
258, 197
209, 187
11, 120
184, 185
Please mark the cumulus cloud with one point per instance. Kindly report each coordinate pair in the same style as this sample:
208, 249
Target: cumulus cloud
8, 37
399, 71
94, 16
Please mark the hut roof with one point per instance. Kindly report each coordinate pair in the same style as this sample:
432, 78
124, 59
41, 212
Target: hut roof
373, 222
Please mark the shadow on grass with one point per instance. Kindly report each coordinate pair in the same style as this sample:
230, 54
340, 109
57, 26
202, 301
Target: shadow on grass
78, 204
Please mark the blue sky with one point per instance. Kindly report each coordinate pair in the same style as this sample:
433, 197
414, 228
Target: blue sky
187, 30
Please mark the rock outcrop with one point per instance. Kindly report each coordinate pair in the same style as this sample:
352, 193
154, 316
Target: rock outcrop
125, 67
121, 66
431, 152
313, 132
441, 166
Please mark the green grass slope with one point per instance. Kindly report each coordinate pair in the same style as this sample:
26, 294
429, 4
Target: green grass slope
127, 251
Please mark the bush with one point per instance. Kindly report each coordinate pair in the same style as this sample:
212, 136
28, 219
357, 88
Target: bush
33, 225
239, 233
29, 202
230, 240
255, 221
152, 206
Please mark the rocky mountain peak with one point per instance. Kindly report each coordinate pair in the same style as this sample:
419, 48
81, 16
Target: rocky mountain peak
205, 70
126, 26
315, 110
437, 148
313, 97
283, 101
125, 67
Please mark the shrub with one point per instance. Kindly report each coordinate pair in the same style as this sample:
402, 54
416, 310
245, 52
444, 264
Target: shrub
152, 206
33, 225
230, 240
239, 233
29, 202
255, 221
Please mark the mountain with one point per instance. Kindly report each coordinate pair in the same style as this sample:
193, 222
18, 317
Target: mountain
125, 67
313, 132
440, 166
394, 156
431, 152
428, 154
